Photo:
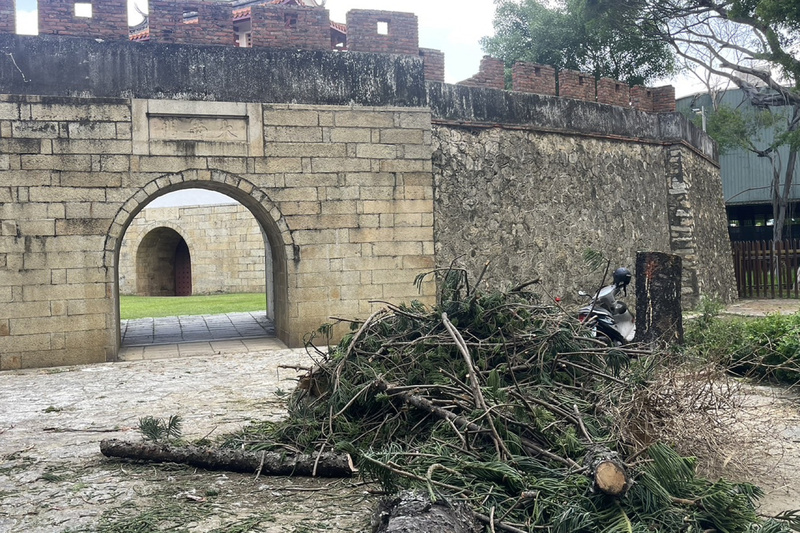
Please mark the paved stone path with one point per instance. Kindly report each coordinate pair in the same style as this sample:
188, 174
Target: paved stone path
168, 330
182, 336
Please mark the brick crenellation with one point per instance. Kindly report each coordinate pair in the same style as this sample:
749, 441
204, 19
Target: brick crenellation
491, 75
7, 16
543, 79
385, 32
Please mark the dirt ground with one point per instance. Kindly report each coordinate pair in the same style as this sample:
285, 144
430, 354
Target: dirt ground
54, 479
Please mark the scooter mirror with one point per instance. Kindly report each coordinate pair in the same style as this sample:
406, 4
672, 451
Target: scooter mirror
582, 293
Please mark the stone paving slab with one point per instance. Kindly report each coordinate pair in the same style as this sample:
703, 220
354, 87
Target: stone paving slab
194, 328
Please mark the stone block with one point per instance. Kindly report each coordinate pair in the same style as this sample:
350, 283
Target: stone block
292, 134
364, 119
9, 111
290, 117
306, 150
350, 135
81, 112
332, 164
35, 129
376, 151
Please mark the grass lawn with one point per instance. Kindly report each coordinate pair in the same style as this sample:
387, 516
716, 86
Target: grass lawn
155, 306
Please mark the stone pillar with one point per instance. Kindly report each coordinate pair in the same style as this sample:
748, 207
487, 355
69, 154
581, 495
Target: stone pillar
658, 298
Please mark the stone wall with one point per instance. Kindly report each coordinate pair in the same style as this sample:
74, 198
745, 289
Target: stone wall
226, 245
697, 217
64, 66
529, 183
531, 203
332, 155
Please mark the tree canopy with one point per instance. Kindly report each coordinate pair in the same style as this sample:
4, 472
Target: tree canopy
570, 36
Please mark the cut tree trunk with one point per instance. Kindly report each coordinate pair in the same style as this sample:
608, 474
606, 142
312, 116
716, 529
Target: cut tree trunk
659, 316
328, 464
609, 473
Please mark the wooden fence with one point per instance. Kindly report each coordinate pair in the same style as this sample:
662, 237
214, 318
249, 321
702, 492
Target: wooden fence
767, 271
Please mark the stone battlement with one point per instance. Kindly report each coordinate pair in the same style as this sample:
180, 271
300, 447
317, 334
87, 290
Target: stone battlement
303, 25
545, 80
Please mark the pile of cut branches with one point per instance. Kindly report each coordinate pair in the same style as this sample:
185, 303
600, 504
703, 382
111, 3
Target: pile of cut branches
508, 405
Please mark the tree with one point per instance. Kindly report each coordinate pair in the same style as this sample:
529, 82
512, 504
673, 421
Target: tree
751, 43
564, 37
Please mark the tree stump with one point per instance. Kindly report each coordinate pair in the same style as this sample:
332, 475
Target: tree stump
658, 298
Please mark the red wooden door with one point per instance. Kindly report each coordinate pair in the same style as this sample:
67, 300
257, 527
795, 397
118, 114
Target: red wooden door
183, 270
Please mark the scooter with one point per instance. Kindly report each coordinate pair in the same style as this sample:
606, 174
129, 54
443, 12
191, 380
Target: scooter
606, 315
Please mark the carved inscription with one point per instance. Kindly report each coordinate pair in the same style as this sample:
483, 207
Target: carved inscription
210, 129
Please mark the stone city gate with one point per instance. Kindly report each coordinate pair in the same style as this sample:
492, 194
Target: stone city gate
362, 169
324, 187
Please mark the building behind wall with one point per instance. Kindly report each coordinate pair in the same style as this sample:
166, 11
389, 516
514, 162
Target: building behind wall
746, 177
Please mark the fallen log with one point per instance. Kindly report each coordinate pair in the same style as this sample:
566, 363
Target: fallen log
411, 512
327, 464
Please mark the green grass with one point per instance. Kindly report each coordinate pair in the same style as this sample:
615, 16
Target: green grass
156, 306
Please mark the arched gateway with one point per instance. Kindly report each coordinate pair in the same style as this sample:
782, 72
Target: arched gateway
267, 214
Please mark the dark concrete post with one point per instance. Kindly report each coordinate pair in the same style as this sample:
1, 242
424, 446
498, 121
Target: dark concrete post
658, 298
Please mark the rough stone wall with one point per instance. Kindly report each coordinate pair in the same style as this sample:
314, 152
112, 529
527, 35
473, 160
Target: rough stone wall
345, 196
226, 244
7, 16
62, 66
363, 36
291, 27
109, 19
212, 24
531, 203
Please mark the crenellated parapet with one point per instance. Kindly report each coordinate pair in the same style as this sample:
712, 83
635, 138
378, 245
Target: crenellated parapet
306, 25
543, 79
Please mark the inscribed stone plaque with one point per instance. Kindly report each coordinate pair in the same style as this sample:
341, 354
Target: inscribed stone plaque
209, 129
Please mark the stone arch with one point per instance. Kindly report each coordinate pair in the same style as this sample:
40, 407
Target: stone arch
158, 262
280, 242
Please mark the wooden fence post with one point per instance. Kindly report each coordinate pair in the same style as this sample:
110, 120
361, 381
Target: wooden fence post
658, 298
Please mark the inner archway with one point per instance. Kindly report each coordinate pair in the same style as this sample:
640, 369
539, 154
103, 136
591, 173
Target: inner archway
163, 264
